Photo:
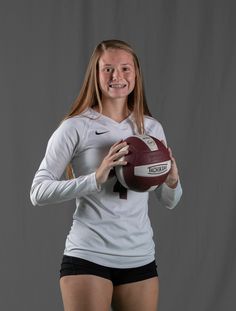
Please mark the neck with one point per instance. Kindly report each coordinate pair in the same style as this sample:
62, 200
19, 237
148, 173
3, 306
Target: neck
116, 109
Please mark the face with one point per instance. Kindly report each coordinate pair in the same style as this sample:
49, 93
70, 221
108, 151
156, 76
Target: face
116, 74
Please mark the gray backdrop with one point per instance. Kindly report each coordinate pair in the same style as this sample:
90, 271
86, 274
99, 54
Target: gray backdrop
187, 52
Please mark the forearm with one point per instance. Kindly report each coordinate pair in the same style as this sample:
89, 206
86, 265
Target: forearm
167, 196
47, 191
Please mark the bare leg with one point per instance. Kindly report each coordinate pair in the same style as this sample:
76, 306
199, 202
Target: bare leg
86, 293
136, 296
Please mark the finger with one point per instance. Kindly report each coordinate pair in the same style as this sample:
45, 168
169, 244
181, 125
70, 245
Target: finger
119, 163
173, 160
115, 144
170, 152
118, 142
119, 155
173, 165
118, 147
164, 143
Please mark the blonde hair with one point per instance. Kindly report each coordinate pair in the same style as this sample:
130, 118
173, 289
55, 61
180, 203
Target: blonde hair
90, 94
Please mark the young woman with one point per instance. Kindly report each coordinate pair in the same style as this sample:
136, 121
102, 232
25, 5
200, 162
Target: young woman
109, 256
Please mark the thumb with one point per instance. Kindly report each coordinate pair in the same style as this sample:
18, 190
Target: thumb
164, 143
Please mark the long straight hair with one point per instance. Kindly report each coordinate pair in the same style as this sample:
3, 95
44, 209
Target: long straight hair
90, 94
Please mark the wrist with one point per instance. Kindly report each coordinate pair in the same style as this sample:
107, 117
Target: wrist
172, 182
98, 183
97, 178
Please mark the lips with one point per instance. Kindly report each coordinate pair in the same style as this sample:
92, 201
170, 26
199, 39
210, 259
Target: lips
117, 85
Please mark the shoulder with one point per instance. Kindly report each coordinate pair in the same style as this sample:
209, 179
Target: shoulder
76, 122
70, 129
154, 128
150, 122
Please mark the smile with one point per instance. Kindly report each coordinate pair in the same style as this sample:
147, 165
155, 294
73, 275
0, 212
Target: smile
117, 86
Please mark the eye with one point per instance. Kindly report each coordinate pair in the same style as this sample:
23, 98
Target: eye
126, 69
108, 69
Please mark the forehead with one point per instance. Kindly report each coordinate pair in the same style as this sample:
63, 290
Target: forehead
115, 57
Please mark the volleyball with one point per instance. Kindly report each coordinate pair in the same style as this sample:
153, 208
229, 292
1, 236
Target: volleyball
148, 163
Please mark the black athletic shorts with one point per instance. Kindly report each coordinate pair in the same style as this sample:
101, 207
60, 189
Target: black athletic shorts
73, 265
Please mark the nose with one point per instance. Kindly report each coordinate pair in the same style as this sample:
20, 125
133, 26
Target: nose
116, 74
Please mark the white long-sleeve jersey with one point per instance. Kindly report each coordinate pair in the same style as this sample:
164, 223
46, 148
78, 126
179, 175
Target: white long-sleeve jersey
106, 229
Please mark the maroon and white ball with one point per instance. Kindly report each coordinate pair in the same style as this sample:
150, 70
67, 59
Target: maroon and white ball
148, 164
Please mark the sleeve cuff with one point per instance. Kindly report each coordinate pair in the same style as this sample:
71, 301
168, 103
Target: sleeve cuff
95, 185
169, 188
171, 196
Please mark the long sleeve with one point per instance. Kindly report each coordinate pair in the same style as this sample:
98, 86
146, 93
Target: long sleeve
168, 197
47, 188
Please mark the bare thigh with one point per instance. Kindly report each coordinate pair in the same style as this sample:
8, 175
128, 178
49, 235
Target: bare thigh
86, 293
136, 296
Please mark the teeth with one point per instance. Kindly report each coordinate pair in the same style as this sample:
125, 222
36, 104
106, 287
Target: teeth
117, 85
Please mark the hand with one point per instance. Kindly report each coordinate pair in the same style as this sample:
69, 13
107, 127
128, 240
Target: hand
111, 160
173, 176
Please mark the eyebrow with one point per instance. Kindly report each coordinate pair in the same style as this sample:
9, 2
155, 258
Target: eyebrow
121, 64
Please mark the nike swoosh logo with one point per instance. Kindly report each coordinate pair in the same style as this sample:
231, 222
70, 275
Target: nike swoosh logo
99, 133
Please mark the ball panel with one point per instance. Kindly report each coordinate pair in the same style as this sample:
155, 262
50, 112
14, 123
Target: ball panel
139, 144
153, 170
144, 183
145, 140
120, 176
153, 188
151, 157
